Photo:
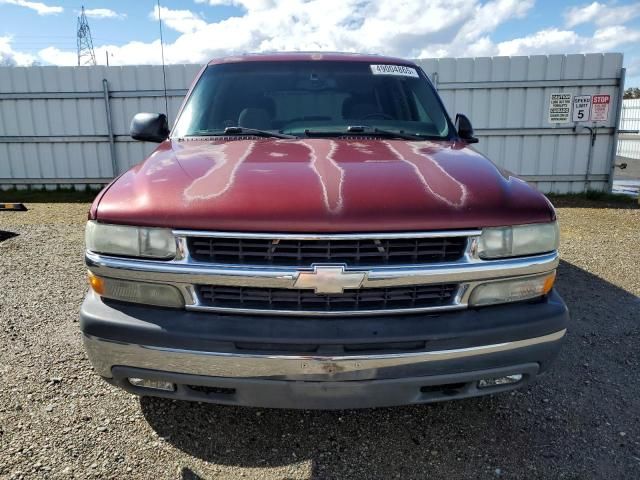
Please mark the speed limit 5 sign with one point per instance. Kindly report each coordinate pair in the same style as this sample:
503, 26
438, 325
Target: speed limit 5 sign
581, 108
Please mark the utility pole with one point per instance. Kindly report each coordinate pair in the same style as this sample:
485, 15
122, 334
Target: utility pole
86, 55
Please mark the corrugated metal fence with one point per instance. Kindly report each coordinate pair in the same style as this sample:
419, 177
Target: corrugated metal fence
53, 120
629, 143
507, 99
55, 128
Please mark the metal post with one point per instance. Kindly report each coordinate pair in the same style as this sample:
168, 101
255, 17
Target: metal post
614, 146
592, 141
112, 139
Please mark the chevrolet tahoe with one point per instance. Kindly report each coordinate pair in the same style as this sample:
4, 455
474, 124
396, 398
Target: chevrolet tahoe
316, 232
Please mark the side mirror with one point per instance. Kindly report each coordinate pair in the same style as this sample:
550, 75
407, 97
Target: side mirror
465, 130
149, 127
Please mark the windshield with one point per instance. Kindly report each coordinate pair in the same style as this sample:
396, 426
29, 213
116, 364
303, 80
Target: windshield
313, 98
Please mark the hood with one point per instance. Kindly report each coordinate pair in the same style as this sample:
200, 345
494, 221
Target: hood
318, 185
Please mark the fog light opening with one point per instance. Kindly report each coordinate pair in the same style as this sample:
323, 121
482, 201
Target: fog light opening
212, 390
448, 389
152, 384
496, 382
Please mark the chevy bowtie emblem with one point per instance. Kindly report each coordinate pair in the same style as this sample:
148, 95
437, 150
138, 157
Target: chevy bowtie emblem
329, 279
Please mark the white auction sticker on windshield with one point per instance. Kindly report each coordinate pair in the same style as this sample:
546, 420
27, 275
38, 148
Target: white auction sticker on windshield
399, 70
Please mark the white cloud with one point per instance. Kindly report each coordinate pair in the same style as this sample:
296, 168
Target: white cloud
39, 7
183, 21
56, 56
554, 40
486, 18
610, 37
406, 28
133, 53
472, 39
547, 41
100, 13
601, 14
633, 72
246, 4
10, 58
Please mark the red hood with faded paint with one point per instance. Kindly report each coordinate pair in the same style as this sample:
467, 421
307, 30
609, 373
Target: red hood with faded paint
318, 185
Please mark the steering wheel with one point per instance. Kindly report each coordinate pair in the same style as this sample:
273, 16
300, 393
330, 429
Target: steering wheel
377, 115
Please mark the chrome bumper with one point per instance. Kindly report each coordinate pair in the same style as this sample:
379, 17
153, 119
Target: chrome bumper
177, 272
105, 354
184, 274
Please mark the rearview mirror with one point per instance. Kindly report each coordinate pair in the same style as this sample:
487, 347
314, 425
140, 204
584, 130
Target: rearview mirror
465, 130
149, 127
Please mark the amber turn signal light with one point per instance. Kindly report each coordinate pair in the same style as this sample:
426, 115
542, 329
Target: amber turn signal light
512, 290
96, 283
548, 282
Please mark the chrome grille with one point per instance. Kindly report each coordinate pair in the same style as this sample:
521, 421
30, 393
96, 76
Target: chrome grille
389, 286
304, 253
295, 300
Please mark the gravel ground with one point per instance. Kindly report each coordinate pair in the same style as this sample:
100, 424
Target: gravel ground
58, 420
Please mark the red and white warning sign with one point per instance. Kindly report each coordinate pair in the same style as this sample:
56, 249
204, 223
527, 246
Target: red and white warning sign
600, 108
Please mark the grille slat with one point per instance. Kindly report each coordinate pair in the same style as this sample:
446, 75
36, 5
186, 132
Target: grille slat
422, 296
304, 253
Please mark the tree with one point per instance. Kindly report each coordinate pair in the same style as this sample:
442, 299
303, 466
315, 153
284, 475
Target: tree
633, 92
7, 61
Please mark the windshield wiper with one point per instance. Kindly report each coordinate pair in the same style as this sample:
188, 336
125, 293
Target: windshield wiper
232, 131
368, 130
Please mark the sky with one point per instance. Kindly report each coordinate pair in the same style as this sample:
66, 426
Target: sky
44, 32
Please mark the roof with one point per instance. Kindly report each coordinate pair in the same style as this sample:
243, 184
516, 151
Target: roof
317, 56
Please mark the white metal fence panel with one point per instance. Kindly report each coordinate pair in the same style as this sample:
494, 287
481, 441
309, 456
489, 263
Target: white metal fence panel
629, 143
53, 120
507, 99
54, 128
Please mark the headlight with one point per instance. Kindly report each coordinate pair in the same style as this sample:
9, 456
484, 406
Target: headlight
130, 241
518, 240
137, 292
504, 291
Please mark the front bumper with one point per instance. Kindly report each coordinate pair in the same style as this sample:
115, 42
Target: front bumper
319, 362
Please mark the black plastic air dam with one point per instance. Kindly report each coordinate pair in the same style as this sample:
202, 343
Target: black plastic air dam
325, 395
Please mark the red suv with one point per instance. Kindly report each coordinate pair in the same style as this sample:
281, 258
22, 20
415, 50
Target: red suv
315, 232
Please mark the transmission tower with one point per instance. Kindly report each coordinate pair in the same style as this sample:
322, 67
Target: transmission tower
86, 55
